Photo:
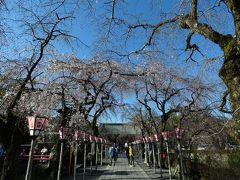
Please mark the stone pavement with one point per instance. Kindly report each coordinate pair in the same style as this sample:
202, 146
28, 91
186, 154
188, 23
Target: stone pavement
155, 174
123, 171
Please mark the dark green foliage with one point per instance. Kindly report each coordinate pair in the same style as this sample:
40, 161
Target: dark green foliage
234, 161
211, 169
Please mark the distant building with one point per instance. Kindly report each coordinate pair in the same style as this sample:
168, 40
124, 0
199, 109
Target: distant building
119, 129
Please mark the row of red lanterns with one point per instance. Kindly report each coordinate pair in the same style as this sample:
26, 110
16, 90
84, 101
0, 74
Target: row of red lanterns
165, 135
36, 124
90, 138
64, 132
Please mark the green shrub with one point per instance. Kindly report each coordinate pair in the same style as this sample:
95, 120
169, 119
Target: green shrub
215, 165
234, 161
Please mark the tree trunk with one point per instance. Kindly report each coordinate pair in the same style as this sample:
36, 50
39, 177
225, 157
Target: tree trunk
94, 128
54, 161
230, 74
9, 165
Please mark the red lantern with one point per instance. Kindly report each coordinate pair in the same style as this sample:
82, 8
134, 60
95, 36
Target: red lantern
96, 139
151, 138
179, 132
146, 139
36, 124
91, 138
83, 136
166, 135
157, 137
76, 135
64, 132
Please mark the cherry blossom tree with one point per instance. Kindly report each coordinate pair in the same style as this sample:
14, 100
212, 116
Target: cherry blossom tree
167, 92
38, 29
92, 87
181, 30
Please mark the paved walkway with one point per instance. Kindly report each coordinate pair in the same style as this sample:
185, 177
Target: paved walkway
122, 170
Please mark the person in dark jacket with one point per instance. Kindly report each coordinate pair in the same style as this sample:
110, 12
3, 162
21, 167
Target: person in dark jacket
127, 152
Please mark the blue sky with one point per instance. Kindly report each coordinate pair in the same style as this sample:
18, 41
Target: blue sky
88, 32
147, 12
88, 27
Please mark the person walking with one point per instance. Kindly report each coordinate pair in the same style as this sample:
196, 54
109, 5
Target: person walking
44, 151
117, 152
127, 152
112, 152
131, 156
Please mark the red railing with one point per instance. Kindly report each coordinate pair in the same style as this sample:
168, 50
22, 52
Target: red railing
37, 157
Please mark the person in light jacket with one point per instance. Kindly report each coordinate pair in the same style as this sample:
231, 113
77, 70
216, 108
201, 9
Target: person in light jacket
112, 152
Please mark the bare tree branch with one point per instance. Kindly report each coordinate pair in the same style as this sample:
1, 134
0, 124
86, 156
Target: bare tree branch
234, 5
224, 102
154, 28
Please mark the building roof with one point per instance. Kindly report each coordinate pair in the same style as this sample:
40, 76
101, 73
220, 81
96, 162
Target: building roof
119, 128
